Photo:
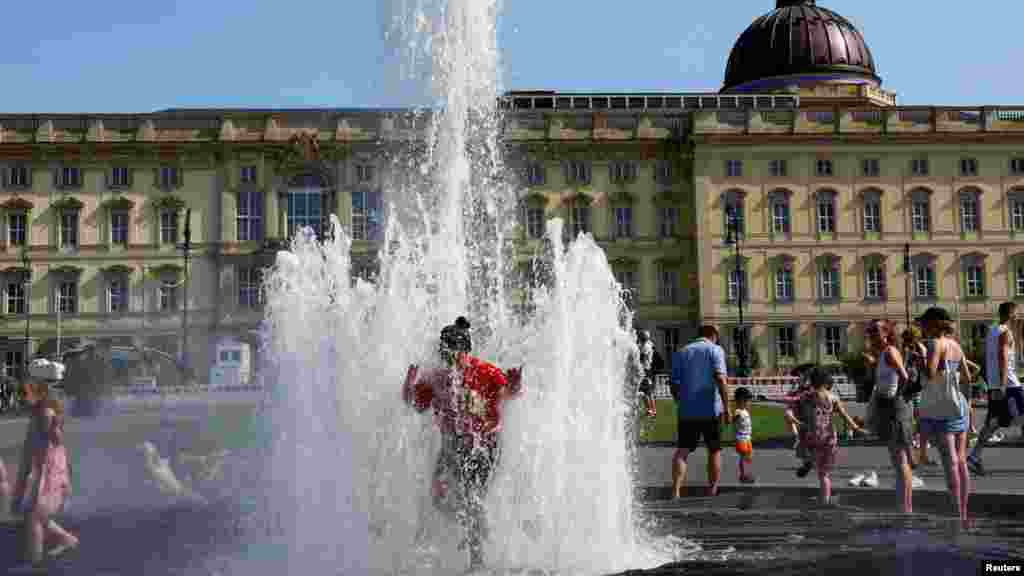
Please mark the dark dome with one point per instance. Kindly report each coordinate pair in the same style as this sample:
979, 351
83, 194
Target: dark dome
799, 39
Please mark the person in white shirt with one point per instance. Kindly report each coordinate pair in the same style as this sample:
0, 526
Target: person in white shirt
1006, 396
744, 431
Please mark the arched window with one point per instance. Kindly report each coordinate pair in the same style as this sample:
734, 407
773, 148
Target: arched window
970, 211
829, 288
875, 284
825, 210
784, 282
734, 212
975, 277
778, 202
1015, 204
871, 212
921, 211
925, 283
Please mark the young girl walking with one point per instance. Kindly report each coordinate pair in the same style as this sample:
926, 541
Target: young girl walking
744, 434
818, 433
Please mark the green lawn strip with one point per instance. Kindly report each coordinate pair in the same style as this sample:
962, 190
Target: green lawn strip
766, 420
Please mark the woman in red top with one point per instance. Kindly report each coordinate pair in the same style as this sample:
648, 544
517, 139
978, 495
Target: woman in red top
467, 398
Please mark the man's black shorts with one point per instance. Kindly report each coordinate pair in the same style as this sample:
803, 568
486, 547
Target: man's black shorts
690, 430
1008, 408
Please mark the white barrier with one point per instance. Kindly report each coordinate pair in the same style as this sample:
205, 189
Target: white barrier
768, 387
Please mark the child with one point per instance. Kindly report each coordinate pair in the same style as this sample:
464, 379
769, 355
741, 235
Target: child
743, 434
818, 433
805, 456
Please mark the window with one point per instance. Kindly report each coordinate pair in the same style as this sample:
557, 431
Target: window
68, 228
579, 218
975, 279
16, 296
924, 280
534, 222
67, 297
870, 167
119, 227
872, 216
120, 177
1017, 213
663, 173
780, 216
777, 168
117, 295
19, 176
826, 213
14, 363
168, 294
536, 174
250, 215
364, 173
1017, 166
833, 341
785, 343
920, 215
366, 215
668, 286
577, 172
623, 222
305, 209
969, 212
628, 280
823, 167
1019, 281
968, 166
667, 218
734, 168
735, 219
170, 177
874, 282
622, 172
784, 283
250, 287
737, 284
168, 226
69, 177
247, 174
919, 167
16, 228
828, 281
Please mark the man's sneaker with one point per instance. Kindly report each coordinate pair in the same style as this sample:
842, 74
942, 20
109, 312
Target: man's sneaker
975, 465
871, 481
857, 480
804, 470
916, 482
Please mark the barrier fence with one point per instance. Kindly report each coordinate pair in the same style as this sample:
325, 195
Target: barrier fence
764, 388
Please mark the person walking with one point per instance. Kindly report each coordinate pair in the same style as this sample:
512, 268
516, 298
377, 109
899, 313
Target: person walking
944, 409
744, 435
44, 476
700, 389
914, 356
1006, 396
647, 372
467, 396
817, 430
892, 418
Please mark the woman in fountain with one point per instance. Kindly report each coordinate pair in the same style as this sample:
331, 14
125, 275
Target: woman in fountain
44, 477
944, 409
466, 396
892, 416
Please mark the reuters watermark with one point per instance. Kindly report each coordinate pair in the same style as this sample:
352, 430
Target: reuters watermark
1001, 567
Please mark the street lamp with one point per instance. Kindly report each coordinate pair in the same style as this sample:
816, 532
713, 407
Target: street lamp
27, 285
733, 237
186, 248
907, 272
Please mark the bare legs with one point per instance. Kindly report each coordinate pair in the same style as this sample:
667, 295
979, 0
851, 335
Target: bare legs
679, 471
953, 447
38, 526
825, 484
900, 458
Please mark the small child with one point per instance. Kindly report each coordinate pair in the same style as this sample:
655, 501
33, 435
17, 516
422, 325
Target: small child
818, 431
805, 456
744, 429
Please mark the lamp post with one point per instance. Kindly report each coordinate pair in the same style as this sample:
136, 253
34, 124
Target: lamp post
907, 272
186, 248
733, 235
27, 284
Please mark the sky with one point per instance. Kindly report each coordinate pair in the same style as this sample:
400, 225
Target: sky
142, 56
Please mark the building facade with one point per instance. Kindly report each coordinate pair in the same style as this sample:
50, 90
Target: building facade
826, 182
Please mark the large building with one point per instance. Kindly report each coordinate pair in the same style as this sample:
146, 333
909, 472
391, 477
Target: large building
824, 179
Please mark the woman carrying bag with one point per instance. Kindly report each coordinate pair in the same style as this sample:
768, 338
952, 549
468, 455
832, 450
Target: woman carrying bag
944, 409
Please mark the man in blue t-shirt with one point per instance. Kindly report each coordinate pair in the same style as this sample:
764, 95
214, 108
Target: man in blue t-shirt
699, 386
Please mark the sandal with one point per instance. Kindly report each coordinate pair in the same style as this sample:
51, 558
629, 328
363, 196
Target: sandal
63, 548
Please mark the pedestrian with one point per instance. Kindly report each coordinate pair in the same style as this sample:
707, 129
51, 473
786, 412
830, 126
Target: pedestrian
818, 431
914, 355
467, 396
744, 434
700, 389
944, 408
1006, 396
44, 476
647, 372
792, 417
891, 415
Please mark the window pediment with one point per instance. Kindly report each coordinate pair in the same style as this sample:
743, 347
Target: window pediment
734, 196
164, 269
920, 193
15, 270
67, 270
169, 202
17, 203
68, 203
825, 194
974, 258
828, 258
785, 262
620, 197
871, 194
875, 258
924, 258
118, 270
120, 203
1015, 194
780, 195
970, 192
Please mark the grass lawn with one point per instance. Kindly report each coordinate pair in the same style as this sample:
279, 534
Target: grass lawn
767, 424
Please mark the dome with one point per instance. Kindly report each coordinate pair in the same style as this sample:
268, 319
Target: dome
798, 42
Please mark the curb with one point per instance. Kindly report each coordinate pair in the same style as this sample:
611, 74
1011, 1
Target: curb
989, 504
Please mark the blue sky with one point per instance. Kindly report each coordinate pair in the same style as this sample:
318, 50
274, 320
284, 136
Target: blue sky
139, 56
